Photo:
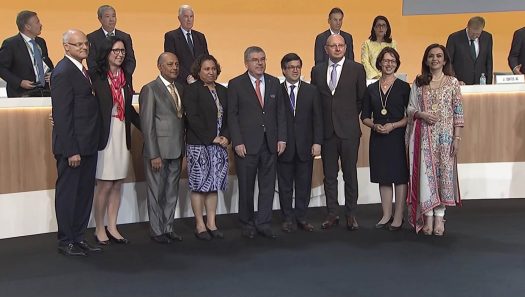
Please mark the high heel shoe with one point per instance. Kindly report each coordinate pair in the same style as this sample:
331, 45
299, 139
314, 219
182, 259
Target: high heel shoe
117, 240
439, 226
100, 242
396, 228
428, 228
383, 226
215, 233
204, 235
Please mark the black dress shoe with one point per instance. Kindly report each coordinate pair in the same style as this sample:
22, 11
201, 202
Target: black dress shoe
173, 236
267, 232
383, 226
71, 250
287, 226
161, 239
396, 228
248, 233
117, 240
204, 235
100, 242
330, 222
86, 247
351, 223
216, 234
304, 225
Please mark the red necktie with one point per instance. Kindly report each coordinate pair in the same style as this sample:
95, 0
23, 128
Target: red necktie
258, 92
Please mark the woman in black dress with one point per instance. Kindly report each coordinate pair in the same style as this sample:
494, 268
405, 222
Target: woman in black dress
384, 111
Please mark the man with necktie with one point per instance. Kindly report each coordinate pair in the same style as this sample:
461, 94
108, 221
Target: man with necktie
186, 44
75, 137
335, 20
516, 57
257, 123
107, 16
24, 61
470, 52
342, 84
304, 122
162, 123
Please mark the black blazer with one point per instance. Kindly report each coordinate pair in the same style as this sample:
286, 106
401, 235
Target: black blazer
96, 40
305, 127
175, 42
248, 122
466, 68
16, 63
75, 111
105, 101
341, 110
320, 55
517, 50
201, 113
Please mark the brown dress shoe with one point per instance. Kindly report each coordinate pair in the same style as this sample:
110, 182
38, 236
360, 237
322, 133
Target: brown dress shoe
330, 221
351, 223
287, 226
304, 225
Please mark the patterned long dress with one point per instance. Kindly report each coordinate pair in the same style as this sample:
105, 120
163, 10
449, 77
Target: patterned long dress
433, 171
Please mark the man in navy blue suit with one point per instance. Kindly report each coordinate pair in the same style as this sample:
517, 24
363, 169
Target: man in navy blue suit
75, 144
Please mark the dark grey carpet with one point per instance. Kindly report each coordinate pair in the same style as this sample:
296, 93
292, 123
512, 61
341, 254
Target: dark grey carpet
482, 254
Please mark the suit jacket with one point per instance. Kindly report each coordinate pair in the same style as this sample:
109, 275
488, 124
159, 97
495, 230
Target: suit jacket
320, 55
201, 113
175, 42
341, 110
248, 122
75, 111
16, 63
96, 40
467, 69
103, 93
305, 127
162, 130
517, 50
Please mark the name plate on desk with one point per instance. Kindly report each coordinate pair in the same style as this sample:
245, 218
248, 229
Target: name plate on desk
510, 79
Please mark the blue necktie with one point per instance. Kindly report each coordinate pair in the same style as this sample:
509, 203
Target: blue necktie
38, 62
333, 77
292, 98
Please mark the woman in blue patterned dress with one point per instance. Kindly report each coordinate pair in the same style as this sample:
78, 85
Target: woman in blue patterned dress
207, 137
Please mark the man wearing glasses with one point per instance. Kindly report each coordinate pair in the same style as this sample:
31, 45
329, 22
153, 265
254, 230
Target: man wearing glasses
342, 84
107, 16
75, 144
24, 61
257, 123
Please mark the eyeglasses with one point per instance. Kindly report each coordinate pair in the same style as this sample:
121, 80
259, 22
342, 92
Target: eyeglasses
117, 51
334, 46
384, 61
79, 44
255, 60
294, 67
380, 26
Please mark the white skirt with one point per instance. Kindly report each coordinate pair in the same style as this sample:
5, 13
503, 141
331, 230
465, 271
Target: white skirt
113, 160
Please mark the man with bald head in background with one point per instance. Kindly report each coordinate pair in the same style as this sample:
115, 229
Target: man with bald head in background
162, 123
24, 61
107, 16
342, 84
186, 44
335, 20
75, 144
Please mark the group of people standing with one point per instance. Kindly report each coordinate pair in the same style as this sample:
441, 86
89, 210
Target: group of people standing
275, 129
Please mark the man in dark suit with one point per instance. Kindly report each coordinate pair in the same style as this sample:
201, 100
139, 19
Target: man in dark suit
24, 61
342, 84
186, 44
304, 122
75, 144
470, 52
335, 20
517, 52
162, 123
107, 16
257, 123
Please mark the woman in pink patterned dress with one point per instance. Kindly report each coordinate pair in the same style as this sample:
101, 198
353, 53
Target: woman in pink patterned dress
433, 139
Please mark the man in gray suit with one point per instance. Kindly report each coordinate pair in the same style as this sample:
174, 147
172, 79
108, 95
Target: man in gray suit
162, 120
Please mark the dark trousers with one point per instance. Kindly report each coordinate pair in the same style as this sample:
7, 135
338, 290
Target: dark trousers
74, 197
300, 173
345, 149
262, 165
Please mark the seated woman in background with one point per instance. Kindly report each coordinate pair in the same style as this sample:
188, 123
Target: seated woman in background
384, 111
380, 37
435, 114
112, 87
207, 137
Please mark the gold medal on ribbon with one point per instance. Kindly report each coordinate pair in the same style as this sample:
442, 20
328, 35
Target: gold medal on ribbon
384, 111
